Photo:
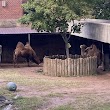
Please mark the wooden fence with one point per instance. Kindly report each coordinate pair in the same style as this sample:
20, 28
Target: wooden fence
73, 66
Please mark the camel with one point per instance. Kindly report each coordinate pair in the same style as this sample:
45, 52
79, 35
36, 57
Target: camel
94, 51
25, 52
83, 52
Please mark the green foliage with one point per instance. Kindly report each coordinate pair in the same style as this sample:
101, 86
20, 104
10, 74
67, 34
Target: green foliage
101, 9
77, 28
51, 14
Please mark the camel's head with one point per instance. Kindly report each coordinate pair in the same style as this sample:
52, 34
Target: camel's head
37, 60
83, 46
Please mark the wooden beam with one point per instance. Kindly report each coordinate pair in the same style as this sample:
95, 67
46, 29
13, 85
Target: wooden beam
29, 38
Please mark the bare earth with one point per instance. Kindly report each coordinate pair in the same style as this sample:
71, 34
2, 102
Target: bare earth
95, 87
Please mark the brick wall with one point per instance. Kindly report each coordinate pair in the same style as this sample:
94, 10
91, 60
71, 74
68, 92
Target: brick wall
12, 10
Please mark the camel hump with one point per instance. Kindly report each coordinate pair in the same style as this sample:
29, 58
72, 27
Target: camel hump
28, 46
20, 45
94, 46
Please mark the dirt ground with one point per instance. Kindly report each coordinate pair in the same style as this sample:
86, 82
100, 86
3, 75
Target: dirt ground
97, 87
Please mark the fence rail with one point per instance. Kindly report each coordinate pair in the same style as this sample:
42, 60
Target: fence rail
73, 66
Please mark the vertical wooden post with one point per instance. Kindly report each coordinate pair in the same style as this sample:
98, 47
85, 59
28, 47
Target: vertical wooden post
63, 67
81, 66
51, 67
78, 66
69, 66
29, 40
55, 67
95, 65
47, 66
66, 67
44, 67
75, 67
88, 66
58, 68
84, 65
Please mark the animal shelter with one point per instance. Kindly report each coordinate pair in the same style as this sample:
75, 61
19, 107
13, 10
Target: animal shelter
46, 44
42, 43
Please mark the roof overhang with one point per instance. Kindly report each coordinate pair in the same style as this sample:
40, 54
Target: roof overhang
17, 30
96, 30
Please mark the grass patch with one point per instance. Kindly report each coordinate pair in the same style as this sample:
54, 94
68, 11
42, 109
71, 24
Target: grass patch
55, 95
33, 103
23, 103
64, 107
43, 84
103, 106
6, 93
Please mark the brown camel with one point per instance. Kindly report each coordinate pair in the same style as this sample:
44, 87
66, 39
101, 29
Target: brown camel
25, 52
83, 52
94, 51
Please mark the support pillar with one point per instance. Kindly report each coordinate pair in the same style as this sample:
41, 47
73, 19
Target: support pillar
29, 40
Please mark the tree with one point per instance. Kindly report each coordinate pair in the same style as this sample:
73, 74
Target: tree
101, 9
52, 15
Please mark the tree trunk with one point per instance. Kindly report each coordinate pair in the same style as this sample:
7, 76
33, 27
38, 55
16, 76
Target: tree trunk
66, 40
67, 49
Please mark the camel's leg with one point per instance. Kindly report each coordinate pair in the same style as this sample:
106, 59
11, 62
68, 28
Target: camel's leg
15, 61
27, 59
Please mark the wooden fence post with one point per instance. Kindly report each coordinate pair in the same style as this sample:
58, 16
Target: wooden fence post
66, 67
69, 66
81, 66
75, 67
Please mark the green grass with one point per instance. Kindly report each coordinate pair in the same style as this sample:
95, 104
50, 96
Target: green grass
64, 107
32, 103
23, 103
55, 95
6, 93
104, 106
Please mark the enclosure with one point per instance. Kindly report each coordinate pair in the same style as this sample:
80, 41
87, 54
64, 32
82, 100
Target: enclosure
74, 66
